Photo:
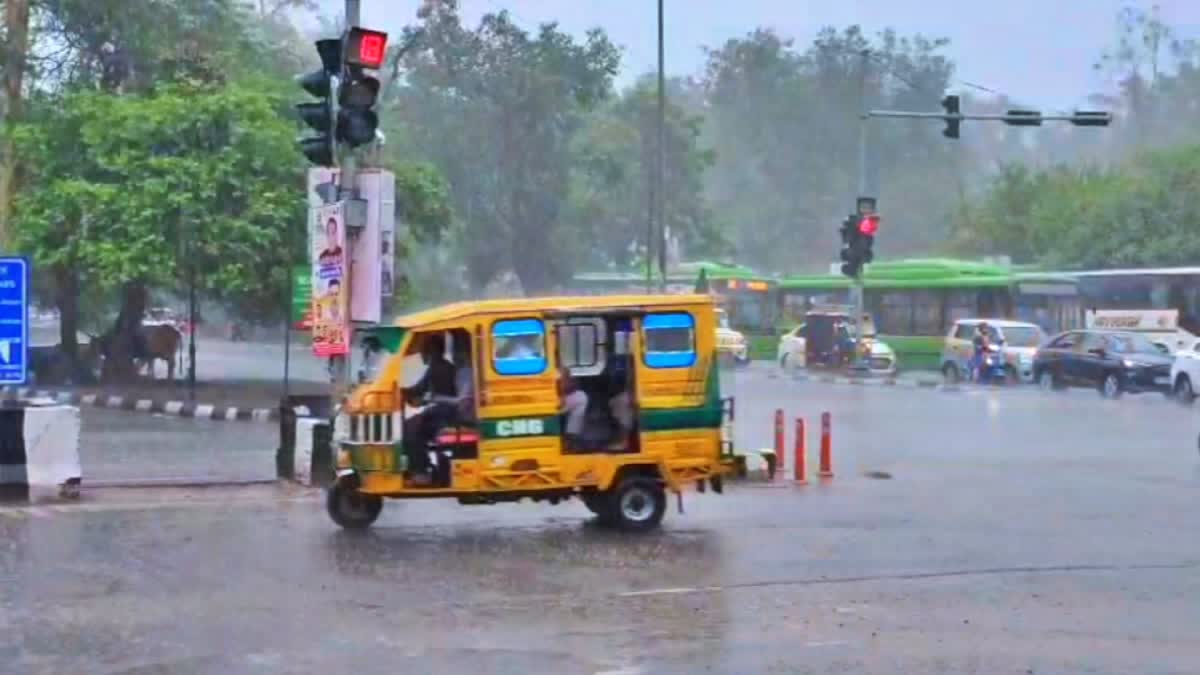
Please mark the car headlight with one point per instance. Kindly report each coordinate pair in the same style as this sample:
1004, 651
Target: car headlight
1129, 364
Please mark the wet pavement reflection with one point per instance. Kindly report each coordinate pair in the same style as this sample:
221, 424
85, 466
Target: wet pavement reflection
1019, 532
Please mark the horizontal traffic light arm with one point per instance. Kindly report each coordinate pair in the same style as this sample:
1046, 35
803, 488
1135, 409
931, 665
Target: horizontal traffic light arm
1015, 117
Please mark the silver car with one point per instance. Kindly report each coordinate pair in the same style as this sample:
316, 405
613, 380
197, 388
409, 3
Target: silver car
1020, 343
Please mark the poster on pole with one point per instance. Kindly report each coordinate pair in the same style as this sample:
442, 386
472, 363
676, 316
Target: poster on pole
330, 321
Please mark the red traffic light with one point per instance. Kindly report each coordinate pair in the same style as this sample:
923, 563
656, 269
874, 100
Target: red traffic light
869, 225
366, 48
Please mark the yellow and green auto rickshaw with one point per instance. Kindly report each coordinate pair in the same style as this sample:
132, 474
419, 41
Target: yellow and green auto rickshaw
650, 420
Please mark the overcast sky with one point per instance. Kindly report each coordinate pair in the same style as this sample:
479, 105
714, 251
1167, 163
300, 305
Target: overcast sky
1038, 51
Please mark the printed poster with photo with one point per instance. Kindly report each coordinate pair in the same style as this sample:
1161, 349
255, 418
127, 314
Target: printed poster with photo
330, 321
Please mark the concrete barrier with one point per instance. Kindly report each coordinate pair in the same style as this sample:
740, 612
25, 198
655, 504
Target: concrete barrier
39, 451
313, 460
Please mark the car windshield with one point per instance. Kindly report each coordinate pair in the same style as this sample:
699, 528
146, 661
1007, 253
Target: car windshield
1130, 343
1022, 336
723, 320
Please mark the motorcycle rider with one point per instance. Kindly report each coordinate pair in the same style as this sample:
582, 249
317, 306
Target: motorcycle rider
983, 336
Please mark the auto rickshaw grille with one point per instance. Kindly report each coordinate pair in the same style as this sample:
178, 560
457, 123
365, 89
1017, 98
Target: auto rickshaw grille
374, 428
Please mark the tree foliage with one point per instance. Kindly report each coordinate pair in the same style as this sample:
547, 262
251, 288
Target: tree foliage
613, 166
784, 122
496, 108
141, 188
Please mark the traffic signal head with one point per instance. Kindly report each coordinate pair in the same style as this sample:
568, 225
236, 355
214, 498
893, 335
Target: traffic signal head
357, 120
1091, 118
950, 104
851, 252
321, 116
867, 227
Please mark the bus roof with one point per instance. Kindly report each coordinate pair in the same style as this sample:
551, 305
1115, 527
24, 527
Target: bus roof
1148, 271
459, 310
925, 273
684, 272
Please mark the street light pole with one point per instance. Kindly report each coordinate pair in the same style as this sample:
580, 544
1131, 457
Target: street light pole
661, 159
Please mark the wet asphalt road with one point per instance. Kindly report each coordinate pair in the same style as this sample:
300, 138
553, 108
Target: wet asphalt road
124, 446
1020, 532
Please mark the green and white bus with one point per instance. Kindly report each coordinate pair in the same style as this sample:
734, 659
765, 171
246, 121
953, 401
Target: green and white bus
750, 300
914, 302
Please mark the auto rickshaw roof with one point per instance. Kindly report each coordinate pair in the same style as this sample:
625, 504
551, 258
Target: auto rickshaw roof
459, 310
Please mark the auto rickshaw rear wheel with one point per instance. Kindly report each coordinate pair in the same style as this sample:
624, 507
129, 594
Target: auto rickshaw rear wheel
352, 509
636, 504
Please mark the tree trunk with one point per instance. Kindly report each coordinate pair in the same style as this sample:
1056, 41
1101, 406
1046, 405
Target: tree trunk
16, 21
125, 334
66, 284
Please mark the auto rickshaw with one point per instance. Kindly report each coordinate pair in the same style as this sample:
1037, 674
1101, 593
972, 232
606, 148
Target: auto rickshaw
654, 423
826, 341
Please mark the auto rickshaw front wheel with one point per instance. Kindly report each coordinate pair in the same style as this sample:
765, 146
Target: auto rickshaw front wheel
352, 509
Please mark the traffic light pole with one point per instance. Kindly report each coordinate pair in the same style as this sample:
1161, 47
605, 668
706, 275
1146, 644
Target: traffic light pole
349, 178
863, 119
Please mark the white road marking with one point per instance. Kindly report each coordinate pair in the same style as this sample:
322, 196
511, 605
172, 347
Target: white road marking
670, 591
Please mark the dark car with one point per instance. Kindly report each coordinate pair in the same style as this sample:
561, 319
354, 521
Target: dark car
1110, 361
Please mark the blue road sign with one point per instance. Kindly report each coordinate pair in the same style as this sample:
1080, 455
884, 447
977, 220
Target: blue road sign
14, 320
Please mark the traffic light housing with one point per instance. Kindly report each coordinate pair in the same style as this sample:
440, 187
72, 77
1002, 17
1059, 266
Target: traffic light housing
358, 92
950, 105
321, 116
851, 257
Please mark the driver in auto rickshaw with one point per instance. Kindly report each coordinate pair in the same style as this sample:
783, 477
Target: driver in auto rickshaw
438, 391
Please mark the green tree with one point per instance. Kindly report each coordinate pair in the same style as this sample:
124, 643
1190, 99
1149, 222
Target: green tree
1142, 212
136, 191
496, 109
784, 123
612, 169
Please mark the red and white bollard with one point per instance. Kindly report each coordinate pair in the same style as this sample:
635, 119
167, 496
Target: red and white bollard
801, 451
826, 470
780, 440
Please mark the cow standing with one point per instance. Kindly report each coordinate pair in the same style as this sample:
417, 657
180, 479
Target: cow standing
151, 343
162, 341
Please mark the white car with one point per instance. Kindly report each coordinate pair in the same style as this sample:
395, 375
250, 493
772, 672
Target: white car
731, 344
1185, 373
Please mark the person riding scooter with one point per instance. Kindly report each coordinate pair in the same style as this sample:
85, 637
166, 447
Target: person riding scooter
980, 343
988, 358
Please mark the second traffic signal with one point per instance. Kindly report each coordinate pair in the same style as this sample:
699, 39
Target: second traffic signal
851, 258
858, 241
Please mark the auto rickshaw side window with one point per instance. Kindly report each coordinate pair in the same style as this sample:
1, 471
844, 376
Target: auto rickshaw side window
519, 347
670, 340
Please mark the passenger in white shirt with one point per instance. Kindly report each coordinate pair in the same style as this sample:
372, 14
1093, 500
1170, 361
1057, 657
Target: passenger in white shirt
574, 404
